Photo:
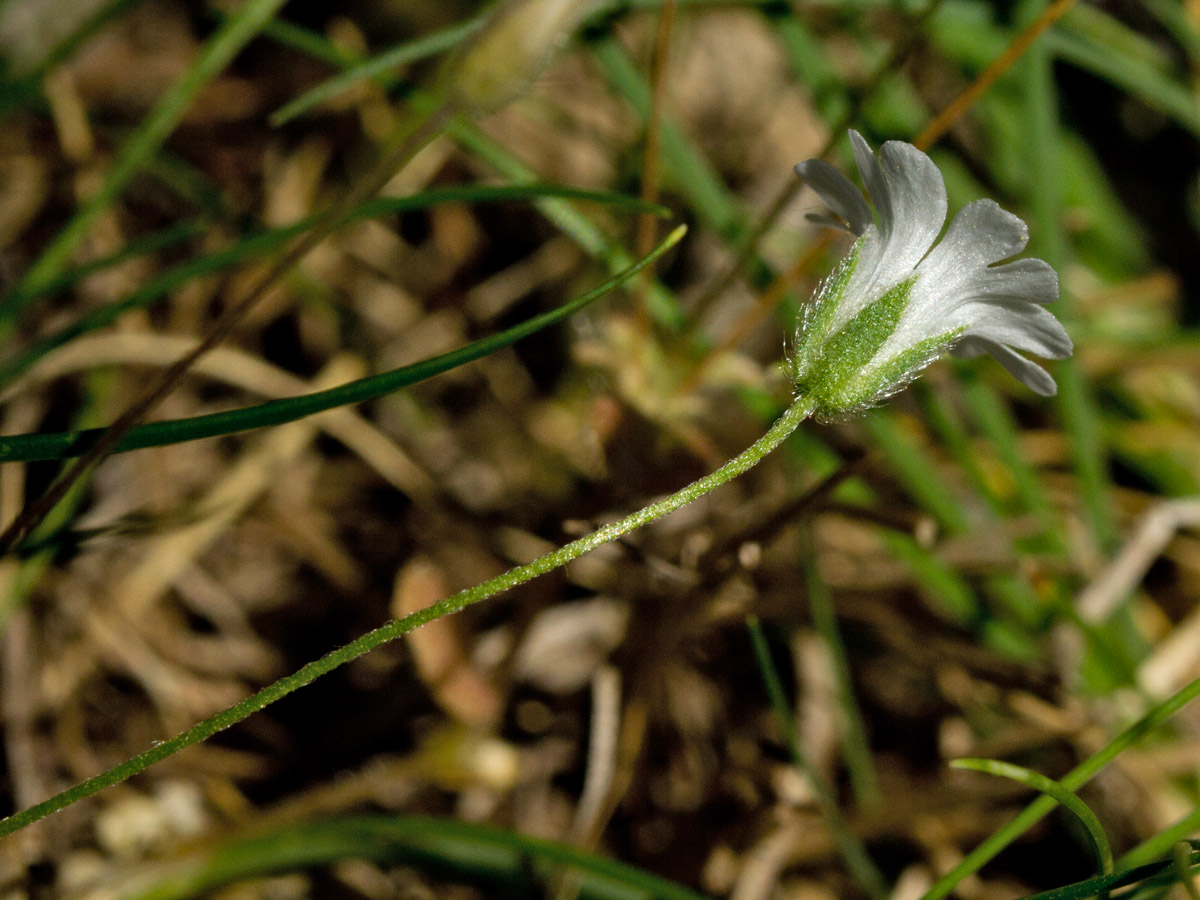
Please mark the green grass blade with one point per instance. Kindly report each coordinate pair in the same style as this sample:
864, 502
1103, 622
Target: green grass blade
910, 464
1072, 781
382, 64
276, 412
487, 857
1174, 17
1157, 873
233, 34
1160, 844
578, 227
1060, 795
995, 421
691, 172
265, 242
163, 239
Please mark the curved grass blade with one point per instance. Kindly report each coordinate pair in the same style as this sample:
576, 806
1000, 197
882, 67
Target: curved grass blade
60, 445
1050, 787
489, 858
382, 64
1072, 781
265, 242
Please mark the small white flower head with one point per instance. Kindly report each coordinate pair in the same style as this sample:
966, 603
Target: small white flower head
897, 301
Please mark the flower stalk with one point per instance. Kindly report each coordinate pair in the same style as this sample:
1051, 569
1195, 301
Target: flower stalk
747, 459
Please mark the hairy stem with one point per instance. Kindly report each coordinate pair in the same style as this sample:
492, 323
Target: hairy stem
784, 426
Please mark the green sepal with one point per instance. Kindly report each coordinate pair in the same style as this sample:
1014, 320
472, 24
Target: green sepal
833, 377
892, 375
819, 316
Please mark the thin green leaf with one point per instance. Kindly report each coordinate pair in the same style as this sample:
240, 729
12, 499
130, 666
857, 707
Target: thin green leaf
1101, 45
275, 412
864, 779
1181, 855
1072, 781
163, 239
690, 170
1075, 404
911, 465
1158, 845
582, 230
27, 85
1050, 787
1149, 873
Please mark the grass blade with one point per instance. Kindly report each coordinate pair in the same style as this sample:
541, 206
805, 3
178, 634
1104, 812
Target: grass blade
1060, 795
858, 861
1072, 781
276, 412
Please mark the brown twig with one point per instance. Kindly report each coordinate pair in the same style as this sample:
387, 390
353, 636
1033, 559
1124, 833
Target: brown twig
959, 106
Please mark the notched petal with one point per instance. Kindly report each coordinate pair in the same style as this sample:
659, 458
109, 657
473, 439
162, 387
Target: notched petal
917, 195
1028, 373
982, 233
1019, 324
872, 176
1023, 279
838, 192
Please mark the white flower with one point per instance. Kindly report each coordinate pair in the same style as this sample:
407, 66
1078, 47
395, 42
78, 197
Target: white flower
898, 301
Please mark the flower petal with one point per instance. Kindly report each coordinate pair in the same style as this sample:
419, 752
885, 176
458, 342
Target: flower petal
950, 280
910, 197
838, 192
1024, 279
1017, 323
982, 233
917, 196
868, 168
1028, 373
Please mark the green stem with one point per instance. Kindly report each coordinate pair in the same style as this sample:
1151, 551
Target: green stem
785, 425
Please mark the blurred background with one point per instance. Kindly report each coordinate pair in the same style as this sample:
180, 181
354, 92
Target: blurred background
969, 571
